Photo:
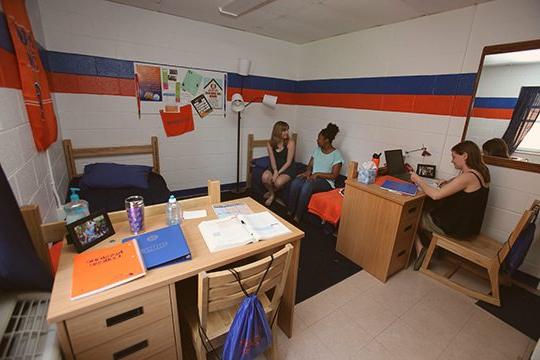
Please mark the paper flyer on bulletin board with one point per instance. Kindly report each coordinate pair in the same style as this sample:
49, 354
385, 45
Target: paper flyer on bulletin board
161, 85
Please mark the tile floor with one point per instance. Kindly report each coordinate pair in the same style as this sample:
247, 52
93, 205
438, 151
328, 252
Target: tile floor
409, 317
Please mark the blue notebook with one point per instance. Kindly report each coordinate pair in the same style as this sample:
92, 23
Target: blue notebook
399, 187
163, 246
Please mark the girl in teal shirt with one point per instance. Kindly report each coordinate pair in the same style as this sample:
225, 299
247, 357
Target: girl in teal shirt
322, 170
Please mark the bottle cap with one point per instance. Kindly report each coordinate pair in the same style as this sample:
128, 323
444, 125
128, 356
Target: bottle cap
172, 199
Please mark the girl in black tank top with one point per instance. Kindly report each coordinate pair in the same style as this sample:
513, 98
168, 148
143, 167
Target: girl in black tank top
460, 203
461, 214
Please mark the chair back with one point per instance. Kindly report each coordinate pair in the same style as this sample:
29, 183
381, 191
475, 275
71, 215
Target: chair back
220, 290
525, 219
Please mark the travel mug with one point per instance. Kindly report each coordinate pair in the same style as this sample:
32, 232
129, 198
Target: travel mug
135, 213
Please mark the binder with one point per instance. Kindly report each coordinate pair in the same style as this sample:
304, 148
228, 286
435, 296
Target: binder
400, 187
163, 246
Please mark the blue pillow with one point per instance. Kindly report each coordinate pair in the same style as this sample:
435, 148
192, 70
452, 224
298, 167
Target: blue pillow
109, 175
262, 162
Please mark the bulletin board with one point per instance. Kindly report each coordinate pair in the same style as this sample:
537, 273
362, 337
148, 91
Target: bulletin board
159, 86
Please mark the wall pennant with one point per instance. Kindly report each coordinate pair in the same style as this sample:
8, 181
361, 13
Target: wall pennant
35, 87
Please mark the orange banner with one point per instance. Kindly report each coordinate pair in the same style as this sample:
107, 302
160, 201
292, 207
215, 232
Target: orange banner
35, 87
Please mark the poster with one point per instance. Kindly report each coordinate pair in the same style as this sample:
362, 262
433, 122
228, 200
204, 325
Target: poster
213, 90
161, 85
149, 79
201, 104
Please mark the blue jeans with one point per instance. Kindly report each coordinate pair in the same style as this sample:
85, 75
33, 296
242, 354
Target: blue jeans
300, 193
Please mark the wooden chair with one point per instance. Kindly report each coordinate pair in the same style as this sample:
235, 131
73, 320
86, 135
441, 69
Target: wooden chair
219, 296
481, 250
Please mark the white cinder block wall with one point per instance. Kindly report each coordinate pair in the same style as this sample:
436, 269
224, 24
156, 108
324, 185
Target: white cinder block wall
446, 43
101, 28
27, 170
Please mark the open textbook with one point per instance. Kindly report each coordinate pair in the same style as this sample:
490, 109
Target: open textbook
232, 231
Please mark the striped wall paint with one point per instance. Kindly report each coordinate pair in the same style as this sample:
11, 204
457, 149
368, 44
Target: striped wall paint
443, 94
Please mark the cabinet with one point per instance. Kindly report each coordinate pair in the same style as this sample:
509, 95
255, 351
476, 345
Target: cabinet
138, 328
378, 228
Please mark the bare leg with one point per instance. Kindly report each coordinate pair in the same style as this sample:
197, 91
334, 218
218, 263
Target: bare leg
269, 185
278, 184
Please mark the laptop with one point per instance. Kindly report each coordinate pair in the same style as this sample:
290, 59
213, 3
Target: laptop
396, 165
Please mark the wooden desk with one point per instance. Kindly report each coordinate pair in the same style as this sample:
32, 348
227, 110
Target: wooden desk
377, 228
141, 317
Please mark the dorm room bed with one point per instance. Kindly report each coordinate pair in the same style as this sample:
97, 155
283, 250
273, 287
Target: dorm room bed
112, 199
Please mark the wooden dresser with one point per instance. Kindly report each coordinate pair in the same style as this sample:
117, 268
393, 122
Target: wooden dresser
377, 228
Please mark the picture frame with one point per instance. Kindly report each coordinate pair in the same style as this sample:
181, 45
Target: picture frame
426, 170
90, 230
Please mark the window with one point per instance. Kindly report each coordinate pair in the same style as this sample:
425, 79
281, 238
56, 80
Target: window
531, 142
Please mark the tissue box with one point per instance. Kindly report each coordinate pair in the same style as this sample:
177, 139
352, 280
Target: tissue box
367, 176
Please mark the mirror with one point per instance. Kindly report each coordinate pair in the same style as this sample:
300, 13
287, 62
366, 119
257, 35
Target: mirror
506, 106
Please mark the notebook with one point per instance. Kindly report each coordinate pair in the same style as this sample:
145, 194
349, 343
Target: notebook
98, 270
233, 231
162, 246
400, 187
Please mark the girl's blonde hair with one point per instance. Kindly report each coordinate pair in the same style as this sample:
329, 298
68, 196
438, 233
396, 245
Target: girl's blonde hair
278, 128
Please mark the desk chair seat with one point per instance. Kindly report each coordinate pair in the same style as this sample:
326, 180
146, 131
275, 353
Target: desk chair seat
220, 295
481, 250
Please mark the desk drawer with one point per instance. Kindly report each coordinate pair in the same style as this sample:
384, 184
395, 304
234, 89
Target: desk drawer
109, 322
143, 343
411, 210
402, 246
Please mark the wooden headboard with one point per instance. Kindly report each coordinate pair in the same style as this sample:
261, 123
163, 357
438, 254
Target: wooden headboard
71, 154
252, 143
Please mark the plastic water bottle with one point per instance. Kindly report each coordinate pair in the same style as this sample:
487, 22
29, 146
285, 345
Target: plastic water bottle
173, 211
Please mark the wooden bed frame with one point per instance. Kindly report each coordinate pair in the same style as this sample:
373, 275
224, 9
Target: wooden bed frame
252, 143
71, 154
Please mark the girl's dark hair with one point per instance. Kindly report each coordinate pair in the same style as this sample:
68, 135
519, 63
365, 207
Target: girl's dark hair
496, 147
474, 158
330, 132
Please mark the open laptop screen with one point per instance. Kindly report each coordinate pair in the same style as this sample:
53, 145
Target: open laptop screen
394, 161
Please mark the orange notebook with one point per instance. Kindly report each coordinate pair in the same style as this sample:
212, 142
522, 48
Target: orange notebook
98, 270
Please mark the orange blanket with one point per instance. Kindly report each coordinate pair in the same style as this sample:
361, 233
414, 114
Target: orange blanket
327, 205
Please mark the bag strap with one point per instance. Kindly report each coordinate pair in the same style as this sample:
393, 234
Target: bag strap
205, 339
237, 277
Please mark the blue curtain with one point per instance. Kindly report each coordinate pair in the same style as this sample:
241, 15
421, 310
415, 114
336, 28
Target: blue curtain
523, 117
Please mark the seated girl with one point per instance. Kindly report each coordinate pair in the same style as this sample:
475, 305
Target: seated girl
323, 168
460, 203
281, 150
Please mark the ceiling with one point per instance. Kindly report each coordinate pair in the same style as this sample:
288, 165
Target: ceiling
303, 21
513, 58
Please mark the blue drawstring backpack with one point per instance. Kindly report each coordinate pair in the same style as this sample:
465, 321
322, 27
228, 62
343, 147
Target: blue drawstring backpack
250, 333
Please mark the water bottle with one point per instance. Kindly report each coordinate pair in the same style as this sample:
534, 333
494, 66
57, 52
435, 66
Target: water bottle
173, 213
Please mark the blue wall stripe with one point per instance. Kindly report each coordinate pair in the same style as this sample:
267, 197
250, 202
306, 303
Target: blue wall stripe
446, 84
495, 102
261, 83
89, 65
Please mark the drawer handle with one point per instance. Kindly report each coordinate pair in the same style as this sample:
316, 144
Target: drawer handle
407, 228
130, 350
124, 316
413, 209
401, 253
